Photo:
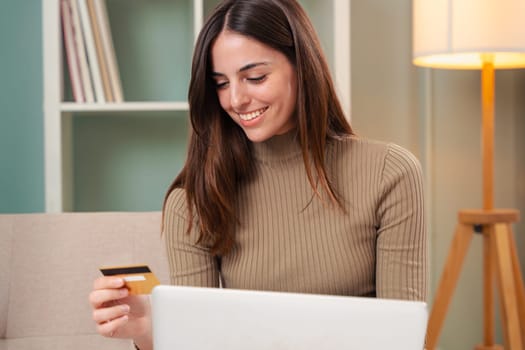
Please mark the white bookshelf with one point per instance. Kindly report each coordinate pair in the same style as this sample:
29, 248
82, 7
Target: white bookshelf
59, 114
71, 107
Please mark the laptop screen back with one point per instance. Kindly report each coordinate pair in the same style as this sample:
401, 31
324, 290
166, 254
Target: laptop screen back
211, 318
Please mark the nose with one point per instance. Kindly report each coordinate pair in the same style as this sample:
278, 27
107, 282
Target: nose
238, 96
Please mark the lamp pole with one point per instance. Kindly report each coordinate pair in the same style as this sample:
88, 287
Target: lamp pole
487, 145
487, 98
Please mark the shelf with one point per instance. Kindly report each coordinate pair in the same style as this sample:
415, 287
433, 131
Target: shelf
123, 107
122, 156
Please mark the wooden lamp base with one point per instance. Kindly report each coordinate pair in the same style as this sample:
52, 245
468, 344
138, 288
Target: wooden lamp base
500, 261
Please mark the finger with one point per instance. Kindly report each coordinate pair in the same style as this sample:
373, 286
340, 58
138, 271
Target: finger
101, 298
108, 282
98, 298
110, 329
110, 313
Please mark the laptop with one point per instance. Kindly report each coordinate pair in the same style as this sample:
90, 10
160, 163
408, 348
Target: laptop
211, 318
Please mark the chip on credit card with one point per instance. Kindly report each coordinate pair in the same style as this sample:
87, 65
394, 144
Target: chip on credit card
138, 278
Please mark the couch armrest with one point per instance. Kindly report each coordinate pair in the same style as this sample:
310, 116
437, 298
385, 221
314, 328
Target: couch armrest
6, 244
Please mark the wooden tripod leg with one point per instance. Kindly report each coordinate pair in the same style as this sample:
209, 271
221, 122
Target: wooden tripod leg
447, 283
489, 260
506, 286
520, 286
489, 265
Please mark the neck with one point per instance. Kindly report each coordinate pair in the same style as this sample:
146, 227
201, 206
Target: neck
278, 147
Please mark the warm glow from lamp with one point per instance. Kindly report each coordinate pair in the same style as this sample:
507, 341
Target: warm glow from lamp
471, 60
463, 34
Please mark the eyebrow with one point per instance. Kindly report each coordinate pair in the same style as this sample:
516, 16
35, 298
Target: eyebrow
244, 68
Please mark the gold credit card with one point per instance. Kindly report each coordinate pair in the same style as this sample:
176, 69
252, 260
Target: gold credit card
138, 278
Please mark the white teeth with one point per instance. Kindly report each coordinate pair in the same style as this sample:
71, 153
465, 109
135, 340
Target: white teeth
252, 115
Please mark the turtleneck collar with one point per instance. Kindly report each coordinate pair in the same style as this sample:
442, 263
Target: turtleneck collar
278, 147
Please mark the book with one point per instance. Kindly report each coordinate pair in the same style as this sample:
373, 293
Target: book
85, 77
95, 26
109, 50
91, 51
71, 52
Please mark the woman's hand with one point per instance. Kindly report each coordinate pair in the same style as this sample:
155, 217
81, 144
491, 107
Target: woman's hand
118, 314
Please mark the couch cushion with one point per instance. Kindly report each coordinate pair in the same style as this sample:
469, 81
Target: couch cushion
80, 342
56, 258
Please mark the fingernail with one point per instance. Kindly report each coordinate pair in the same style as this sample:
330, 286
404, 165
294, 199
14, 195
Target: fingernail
117, 282
123, 291
125, 308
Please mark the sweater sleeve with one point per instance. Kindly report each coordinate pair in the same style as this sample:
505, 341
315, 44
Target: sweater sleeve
190, 263
402, 266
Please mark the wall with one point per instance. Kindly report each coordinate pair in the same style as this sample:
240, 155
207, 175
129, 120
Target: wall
391, 100
384, 81
21, 140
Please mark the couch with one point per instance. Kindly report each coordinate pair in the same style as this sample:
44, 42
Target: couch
47, 266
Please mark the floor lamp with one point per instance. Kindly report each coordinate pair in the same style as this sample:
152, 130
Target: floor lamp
485, 35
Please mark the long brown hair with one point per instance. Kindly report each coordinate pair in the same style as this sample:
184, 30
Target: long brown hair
219, 157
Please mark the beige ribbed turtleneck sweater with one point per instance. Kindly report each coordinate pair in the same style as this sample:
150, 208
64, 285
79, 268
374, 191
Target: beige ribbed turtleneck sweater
289, 240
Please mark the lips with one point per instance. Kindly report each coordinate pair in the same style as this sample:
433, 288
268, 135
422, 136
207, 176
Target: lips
252, 115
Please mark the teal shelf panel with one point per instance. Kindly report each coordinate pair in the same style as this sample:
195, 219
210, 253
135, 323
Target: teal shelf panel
153, 43
209, 5
321, 15
126, 162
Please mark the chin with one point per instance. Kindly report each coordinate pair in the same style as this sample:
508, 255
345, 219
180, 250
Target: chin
257, 136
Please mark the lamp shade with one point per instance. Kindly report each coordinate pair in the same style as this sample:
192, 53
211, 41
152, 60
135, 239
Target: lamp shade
463, 34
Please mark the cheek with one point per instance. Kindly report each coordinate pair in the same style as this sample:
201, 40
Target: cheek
268, 93
283, 90
284, 95
292, 93
292, 96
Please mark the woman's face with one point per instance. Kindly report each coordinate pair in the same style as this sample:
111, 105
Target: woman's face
256, 85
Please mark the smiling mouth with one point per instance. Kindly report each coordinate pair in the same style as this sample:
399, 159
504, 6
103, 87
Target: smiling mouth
252, 115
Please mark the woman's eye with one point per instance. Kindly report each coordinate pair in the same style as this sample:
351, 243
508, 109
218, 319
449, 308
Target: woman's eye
258, 79
221, 84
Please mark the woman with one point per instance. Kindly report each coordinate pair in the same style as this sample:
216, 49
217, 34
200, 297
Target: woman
277, 192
